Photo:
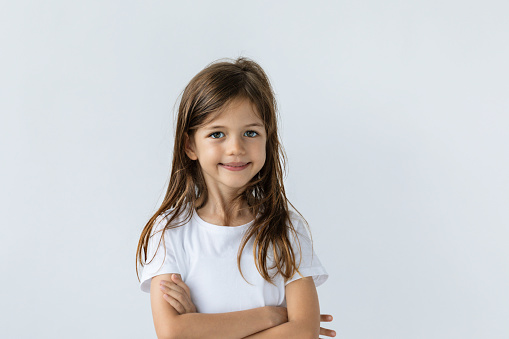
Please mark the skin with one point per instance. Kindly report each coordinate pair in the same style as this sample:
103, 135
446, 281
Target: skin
178, 295
234, 142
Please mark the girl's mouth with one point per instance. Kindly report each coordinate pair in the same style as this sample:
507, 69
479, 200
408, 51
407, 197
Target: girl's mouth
235, 168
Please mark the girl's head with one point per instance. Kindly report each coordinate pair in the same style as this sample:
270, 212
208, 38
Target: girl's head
235, 137
236, 95
233, 95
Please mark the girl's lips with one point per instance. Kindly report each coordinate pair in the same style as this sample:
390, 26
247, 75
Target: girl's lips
235, 168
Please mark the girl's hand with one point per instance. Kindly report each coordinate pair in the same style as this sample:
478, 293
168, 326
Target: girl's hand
325, 331
178, 294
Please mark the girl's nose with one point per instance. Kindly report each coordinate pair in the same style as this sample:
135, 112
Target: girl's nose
235, 145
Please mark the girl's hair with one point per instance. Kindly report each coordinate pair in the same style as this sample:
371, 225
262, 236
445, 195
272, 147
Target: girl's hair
210, 91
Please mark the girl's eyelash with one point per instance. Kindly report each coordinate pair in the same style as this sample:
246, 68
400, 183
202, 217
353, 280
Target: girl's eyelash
210, 135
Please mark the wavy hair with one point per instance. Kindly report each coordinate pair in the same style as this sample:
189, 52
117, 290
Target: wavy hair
211, 90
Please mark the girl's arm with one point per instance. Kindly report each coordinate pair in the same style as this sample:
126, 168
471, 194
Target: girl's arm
170, 324
178, 295
303, 313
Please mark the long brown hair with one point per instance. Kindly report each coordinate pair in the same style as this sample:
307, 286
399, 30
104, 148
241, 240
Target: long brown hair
208, 93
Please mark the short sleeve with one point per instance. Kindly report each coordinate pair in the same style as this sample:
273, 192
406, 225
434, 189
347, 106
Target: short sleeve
310, 265
164, 260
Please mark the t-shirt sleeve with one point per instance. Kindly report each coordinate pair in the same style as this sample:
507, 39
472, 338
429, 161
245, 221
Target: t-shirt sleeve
310, 265
164, 261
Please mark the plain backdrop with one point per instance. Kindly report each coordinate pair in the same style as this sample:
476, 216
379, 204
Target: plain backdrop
394, 117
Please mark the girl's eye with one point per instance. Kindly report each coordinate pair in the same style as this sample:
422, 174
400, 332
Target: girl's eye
215, 133
251, 134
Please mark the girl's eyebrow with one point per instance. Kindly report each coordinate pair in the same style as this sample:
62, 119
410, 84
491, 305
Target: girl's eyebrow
250, 125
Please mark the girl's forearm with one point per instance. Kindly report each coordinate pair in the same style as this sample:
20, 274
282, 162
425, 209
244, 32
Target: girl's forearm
233, 325
291, 329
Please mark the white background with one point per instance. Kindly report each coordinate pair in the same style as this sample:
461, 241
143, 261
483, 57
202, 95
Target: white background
394, 119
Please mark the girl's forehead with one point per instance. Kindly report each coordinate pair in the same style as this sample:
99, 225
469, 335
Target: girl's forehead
238, 111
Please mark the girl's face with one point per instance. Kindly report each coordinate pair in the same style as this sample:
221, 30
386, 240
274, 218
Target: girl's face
236, 137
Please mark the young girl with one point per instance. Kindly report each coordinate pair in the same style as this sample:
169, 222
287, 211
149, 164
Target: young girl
224, 256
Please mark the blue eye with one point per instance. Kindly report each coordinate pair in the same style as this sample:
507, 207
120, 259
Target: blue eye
215, 134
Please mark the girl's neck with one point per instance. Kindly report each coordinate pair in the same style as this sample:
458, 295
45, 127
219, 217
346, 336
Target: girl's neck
214, 213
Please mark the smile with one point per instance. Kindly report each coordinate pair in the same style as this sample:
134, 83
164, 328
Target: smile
235, 168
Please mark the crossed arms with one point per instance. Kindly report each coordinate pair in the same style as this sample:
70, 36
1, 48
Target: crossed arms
300, 319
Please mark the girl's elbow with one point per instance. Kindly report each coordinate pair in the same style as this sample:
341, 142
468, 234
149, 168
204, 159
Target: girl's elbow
169, 335
170, 331
165, 334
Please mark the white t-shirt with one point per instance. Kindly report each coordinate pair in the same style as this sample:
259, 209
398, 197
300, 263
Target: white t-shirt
205, 255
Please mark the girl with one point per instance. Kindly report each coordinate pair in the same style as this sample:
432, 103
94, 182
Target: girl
243, 261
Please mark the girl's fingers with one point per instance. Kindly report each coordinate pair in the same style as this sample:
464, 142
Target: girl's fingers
177, 279
177, 284
180, 297
180, 292
325, 317
327, 332
175, 304
173, 286
184, 296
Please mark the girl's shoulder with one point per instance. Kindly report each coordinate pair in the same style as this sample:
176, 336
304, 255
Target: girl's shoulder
299, 224
164, 218
294, 216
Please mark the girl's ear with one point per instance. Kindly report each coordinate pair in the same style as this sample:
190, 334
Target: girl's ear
189, 147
